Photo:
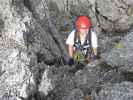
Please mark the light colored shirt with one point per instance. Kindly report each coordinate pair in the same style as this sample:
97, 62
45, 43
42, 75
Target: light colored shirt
70, 39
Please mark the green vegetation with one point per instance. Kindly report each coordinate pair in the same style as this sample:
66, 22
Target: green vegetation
119, 45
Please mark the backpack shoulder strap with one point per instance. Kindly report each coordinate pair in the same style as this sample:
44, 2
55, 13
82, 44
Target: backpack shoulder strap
75, 36
89, 36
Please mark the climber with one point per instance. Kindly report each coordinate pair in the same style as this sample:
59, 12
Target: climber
82, 42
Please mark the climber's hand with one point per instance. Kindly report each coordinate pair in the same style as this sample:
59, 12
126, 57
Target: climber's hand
71, 61
93, 57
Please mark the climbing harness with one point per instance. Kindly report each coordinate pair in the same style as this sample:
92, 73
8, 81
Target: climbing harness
82, 51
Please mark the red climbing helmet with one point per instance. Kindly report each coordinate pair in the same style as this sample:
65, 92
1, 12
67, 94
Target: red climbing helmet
83, 22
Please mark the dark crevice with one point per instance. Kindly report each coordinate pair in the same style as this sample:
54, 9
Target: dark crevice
57, 42
97, 13
51, 28
1, 25
37, 96
28, 5
54, 34
104, 66
41, 57
55, 61
106, 18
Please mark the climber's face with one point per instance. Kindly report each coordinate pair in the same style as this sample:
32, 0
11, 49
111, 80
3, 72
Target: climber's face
83, 31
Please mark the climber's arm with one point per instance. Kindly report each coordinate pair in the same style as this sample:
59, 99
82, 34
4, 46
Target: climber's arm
95, 51
71, 51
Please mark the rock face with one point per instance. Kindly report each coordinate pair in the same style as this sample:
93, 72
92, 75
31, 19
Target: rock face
76, 94
109, 15
15, 76
117, 15
121, 54
46, 83
119, 91
33, 50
